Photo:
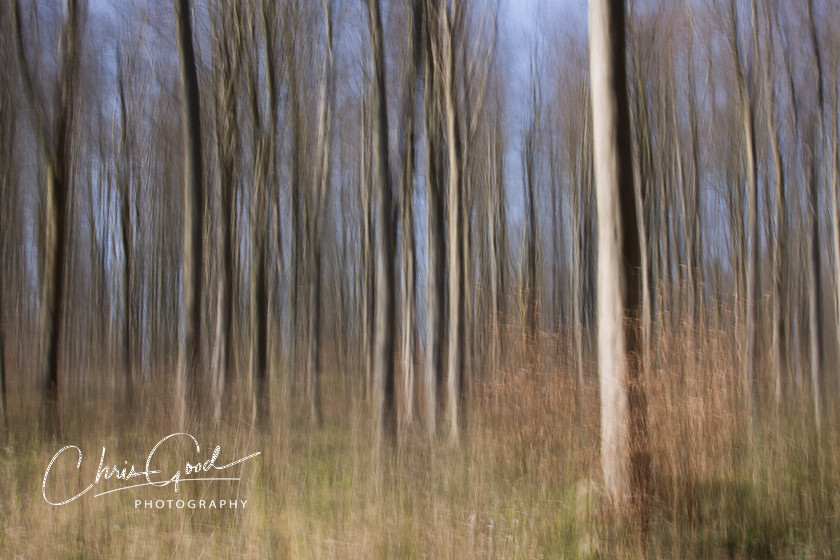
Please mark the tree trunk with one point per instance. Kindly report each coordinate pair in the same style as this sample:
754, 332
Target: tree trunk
321, 184
814, 254
386, 278
228, 147
435, 302
455, 255
190, 356
58, 164
753, 242
779, 262
408, 253
128, 247
623, 423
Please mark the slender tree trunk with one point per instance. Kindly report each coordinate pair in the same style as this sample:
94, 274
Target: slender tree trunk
834, 195
779, 262
290, 37
264, 182
530, 195
227, 144
408, 253
454, 350
580, 195
4, 419
753, 242
815, 293
8, 122
368, 292
435, 303
190, 365
695, 217
814, 254
501, 229
128, 248
321, 183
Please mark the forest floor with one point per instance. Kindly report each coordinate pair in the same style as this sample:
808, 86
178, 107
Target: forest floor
522, 483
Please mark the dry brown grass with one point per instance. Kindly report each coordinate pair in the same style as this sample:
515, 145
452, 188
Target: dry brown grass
522, 484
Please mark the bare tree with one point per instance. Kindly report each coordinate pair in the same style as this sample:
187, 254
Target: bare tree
815, 152
530, 172
752, 264
190, 356
55, 141
780, 234
228, 49
127, 235
385, 405
455, 357
623, 416
436, 276
8, 123
407, 251
321, 183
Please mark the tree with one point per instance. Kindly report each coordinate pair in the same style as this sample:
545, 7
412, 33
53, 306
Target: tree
229, 50
752, 264
56, 147
320, 192
436, 276
407, 252
815, 150
8, 123
384, 403
454, 232
623, 422
190, 355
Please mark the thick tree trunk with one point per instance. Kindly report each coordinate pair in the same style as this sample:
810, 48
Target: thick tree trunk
58, 176
623, 423
385, 405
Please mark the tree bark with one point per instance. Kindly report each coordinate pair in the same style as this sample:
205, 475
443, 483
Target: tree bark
190, 356
408, 253
454, 217
57, 149
623, 422
814, 255
385, 405
435, 279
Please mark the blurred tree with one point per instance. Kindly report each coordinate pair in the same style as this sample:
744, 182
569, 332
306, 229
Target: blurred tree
624, 452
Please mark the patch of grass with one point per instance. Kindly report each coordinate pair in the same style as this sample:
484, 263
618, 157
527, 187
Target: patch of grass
523, 483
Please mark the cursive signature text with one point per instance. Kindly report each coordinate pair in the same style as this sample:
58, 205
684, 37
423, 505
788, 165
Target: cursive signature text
149, 474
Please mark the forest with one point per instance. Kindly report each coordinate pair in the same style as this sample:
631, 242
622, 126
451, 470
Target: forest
435, 278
